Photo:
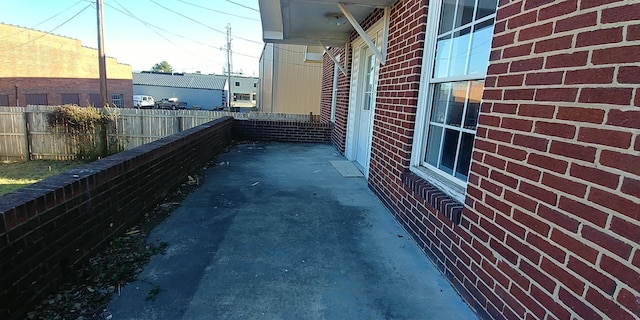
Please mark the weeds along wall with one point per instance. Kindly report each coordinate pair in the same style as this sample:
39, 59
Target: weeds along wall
55, 224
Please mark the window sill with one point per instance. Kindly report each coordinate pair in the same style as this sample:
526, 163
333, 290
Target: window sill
441, 201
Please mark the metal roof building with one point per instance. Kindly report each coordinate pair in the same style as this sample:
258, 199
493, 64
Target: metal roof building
198, 90
180, 80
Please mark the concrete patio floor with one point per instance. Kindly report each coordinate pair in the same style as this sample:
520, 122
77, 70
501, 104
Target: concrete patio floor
276, 232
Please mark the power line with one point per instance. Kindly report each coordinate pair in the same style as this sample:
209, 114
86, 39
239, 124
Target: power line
152, 26
289, 50
221, 12
249, 40
246, 55
50, 31
278, 60
241, 5
200, 23
296, 64
143, 22
188, 18
59, 13
45, 20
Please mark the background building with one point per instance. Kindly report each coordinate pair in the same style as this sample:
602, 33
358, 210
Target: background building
206, 92
244, 91
288, 84
48, 69
203, 91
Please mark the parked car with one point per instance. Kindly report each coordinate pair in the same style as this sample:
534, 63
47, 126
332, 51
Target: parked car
143, 102
170, 103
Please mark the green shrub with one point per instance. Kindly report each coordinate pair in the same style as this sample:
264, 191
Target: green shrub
85, 130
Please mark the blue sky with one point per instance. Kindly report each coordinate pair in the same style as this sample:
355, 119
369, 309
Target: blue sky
189, 34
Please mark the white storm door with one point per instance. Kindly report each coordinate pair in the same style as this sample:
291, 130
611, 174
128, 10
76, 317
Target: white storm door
365, 102
362, 99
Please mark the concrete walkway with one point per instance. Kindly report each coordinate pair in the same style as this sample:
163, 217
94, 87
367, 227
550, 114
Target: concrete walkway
276, 232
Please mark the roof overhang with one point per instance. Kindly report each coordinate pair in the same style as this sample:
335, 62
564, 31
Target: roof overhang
320, 24
309, 22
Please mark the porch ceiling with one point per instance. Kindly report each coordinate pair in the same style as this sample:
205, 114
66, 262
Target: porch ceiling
309, 21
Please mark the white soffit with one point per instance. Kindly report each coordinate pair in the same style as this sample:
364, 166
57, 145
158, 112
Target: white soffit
313, 54
308, 22
271, 27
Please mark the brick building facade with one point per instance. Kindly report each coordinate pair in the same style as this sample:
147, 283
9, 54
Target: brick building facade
48, 69
521, 183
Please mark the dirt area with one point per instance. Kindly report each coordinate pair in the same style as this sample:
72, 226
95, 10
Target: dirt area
86, 293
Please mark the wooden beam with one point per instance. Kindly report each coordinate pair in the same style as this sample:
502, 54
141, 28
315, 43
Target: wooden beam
365, 37
333, 58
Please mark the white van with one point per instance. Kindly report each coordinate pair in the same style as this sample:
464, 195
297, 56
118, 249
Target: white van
141, 101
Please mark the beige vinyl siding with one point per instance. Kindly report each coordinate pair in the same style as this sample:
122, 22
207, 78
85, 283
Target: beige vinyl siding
295, 85
265, 94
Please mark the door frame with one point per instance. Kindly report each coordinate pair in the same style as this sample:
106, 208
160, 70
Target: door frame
358, 48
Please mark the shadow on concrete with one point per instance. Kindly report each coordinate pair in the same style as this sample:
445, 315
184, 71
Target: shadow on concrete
276, 232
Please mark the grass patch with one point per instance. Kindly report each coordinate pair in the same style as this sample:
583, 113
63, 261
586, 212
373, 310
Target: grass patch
15, 175
151, 296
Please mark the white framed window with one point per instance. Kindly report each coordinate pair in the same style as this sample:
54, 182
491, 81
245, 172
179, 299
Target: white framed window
370, 80
243, 96
334, 89
116, 99
456, 56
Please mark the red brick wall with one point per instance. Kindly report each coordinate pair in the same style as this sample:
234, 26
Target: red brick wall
53, 225
326, 89
558, 142
282, 131
397, 99
550, 227
339, 131
55, 87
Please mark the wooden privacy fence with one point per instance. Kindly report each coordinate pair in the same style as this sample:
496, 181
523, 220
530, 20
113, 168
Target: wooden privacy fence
25, 132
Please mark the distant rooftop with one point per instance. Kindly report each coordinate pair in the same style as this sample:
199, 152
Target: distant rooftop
180, 80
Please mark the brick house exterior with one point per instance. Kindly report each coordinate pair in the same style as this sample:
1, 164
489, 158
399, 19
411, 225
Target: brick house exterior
54, 70
548, 223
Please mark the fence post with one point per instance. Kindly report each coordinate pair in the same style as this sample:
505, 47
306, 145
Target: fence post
27, 142
142, 139
180, 124
105, 138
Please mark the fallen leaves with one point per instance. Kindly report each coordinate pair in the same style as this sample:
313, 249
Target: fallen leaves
87, 290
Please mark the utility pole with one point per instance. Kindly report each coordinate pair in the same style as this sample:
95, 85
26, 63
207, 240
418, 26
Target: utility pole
102, 65
229, 65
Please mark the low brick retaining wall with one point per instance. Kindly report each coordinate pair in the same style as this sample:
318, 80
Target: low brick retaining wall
282, 131
62, 221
